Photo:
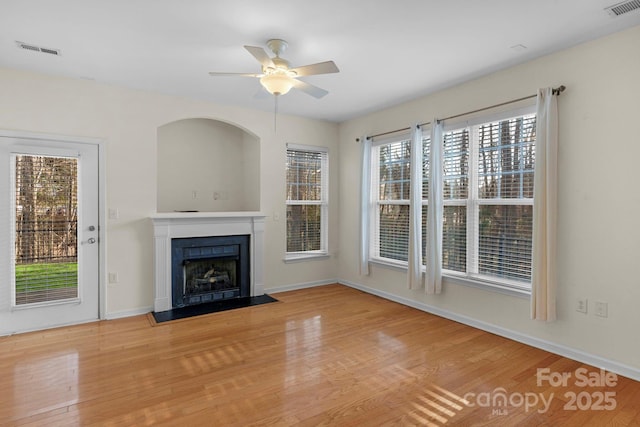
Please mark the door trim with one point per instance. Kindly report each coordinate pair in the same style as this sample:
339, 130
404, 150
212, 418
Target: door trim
102, 197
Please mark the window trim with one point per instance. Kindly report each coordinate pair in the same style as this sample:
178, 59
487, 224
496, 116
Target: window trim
483, 282
323, 252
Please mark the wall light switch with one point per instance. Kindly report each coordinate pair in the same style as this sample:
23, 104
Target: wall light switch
601, 309
581, 305
114, 213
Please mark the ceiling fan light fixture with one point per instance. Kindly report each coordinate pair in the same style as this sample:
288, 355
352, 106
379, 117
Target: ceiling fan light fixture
278, 77
277, 83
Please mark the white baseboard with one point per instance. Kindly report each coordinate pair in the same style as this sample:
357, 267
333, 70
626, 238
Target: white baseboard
54, 326
128, 313
562, 350
297, 286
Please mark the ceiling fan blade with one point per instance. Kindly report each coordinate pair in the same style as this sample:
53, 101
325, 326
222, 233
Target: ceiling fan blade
326, 67
310, 89
213, 73
260, 54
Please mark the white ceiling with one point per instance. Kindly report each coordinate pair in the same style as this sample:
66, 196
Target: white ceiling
387, 51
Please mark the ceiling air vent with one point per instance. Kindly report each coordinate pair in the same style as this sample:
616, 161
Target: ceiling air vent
622, 8
35, 48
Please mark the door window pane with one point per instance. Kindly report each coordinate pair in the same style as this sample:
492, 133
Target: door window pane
46, 213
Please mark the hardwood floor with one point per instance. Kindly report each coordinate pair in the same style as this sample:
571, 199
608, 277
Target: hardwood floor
323, 356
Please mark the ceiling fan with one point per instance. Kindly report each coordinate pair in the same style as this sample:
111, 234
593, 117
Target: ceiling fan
278, 77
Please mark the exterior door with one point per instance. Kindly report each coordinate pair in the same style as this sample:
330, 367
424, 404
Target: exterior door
49, 250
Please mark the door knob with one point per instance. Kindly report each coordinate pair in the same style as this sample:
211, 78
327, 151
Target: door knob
91, 240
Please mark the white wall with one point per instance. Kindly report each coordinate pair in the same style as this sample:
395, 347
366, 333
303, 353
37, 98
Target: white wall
251, 170
599, 237
128, 121
207, 165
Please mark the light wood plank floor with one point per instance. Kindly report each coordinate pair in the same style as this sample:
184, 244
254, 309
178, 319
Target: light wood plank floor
324, 356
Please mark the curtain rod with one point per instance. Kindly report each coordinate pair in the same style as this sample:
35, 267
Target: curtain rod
555, 91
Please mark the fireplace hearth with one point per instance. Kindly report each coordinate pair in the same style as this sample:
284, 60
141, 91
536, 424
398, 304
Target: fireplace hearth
206, 269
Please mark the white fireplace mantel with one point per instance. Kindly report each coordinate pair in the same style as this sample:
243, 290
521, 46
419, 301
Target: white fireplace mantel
175, 225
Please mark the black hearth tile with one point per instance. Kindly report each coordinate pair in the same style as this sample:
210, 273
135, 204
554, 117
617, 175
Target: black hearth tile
211, 307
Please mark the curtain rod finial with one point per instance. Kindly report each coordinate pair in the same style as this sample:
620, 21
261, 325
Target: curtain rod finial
559, 90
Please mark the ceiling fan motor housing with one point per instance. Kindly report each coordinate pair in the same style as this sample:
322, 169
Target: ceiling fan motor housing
280, 65
277, 46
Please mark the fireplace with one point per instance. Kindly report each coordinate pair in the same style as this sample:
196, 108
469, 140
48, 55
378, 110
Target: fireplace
222, 256
206, 269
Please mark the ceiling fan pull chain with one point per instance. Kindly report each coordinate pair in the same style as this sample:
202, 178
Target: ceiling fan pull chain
275, 114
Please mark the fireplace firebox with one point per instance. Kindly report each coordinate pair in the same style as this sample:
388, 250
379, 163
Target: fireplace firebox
207, 269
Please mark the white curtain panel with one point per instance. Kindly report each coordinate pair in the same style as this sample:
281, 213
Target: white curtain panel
433, 277
415, 212
545, 203
365, 195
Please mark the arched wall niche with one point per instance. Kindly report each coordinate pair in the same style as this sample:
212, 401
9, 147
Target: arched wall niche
207, 165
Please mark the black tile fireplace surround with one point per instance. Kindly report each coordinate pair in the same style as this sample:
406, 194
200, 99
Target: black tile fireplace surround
209, 269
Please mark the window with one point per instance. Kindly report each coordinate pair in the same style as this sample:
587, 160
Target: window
455, 191
426, 146
307, 200
46, 223
487, 205
488, 200
391, 184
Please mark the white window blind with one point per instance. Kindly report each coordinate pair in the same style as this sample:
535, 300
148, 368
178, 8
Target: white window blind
307, 199
455, 192
392, 183
488, 199
506, 156
426, 147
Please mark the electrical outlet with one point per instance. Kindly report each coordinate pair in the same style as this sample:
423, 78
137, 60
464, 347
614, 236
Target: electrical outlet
220, 195
601, 309
581, 305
